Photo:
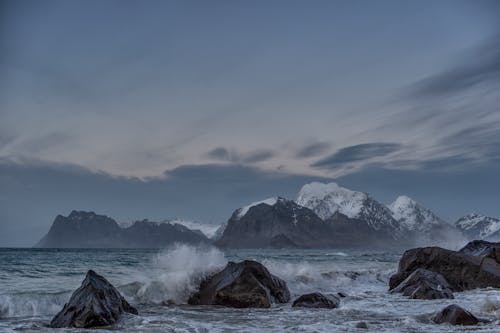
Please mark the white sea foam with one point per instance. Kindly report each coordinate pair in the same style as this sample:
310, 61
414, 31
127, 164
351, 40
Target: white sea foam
177, 273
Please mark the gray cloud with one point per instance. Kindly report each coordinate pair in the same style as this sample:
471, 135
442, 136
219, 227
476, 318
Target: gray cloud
224, 154
313, 150
483, 67
220, 153
361, 152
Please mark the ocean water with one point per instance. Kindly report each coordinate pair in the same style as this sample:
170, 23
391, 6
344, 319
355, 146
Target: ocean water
35, 284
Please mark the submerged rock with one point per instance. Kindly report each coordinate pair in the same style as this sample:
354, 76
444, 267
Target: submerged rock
242, 285
455, 315
461, 270
316, 300
424, 284
96, 303
362, 324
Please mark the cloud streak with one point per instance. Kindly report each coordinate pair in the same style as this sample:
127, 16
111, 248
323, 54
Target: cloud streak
313, 150
357, 153
231, 155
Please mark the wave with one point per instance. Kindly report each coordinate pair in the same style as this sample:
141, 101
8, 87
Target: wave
305, 277
31, 304
177, 272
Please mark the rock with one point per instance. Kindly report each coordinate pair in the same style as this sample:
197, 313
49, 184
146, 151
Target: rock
341, 294
483, 249
455, 315
362, 324
242, 285
424, 284
462, 271
96, 303
316, 300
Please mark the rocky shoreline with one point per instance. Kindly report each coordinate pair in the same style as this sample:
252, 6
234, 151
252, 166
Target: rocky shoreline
423, 273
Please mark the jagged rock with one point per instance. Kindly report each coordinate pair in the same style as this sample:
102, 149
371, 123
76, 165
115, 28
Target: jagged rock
462, 271
482, 248
316, 300
455, 315
242, 285
96, 303
424, 284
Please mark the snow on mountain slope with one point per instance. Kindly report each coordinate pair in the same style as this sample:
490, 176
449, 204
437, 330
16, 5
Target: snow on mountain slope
327, 199
243, 210
208, 230
413, 216
479, 226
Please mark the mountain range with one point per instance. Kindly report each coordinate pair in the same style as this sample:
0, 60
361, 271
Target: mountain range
322, 216
89, 230
327, 215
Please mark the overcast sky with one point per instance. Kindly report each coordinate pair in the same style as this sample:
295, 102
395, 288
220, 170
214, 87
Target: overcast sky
192, 108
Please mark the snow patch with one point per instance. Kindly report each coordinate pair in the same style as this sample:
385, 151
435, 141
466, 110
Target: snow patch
244, 210
327, 199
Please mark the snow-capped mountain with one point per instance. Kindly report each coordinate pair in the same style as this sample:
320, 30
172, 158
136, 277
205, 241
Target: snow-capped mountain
327, 199
477, 226
413, 216
421, 226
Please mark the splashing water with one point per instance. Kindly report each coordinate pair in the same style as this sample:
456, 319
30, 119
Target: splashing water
178, 272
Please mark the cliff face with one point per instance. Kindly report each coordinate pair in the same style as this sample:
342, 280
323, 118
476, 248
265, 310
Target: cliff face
89, 230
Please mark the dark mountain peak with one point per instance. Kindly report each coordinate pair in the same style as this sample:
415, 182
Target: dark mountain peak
82, 229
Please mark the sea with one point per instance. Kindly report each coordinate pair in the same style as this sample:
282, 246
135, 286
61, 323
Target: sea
36, 283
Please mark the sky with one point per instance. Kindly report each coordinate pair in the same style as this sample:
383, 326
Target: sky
194, 108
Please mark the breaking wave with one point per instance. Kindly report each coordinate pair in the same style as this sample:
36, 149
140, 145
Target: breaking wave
177, 272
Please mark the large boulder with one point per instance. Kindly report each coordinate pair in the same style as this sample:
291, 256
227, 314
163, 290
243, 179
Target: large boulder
455, 315
96, 303
483, 249
316, 300
424, 284
242, 285
462, 271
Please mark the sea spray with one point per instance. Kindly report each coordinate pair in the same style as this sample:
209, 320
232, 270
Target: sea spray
177, 272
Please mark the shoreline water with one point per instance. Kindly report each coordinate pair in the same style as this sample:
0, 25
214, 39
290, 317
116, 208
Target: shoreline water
35, 284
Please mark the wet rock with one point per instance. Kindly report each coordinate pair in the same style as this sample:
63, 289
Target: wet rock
96, 303
455, 315
483, 249
424, 284
316, 300
362, 324
242, 285
462, 271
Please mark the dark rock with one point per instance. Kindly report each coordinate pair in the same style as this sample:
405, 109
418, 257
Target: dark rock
242, 285
462, 271
96, 303
483, 249
424, 284
362, 324
316, 300
455, 315
341, 294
